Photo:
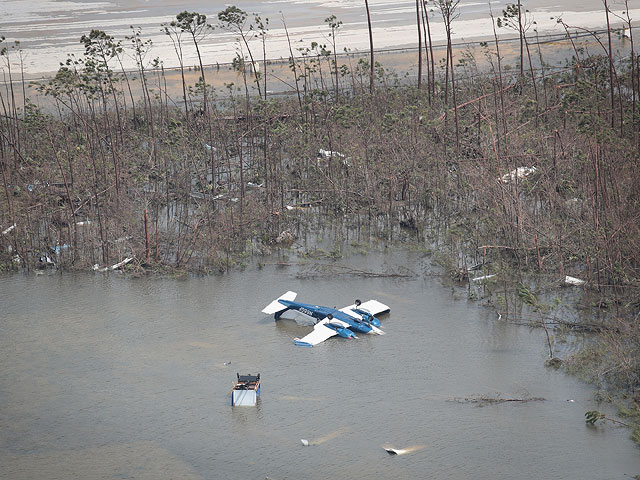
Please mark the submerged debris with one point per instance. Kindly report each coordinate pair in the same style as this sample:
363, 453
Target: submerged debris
482, 400
402, 451
312, 270
553, 362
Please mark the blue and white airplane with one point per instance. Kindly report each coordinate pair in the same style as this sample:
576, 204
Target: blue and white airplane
359, 317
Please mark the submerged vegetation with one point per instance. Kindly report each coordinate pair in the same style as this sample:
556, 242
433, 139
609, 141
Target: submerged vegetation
517, 174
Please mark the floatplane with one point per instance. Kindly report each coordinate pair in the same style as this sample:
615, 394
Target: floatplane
345, 322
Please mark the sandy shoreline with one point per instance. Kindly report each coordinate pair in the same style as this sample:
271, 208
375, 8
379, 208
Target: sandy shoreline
48, 35
280, 80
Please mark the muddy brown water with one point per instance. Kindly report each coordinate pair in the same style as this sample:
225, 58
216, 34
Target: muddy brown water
104, 376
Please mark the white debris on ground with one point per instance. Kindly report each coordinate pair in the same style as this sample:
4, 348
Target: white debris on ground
519, 173
4, 232
296, 207
121, 264
328, 154
573, 281
116, 266
285, 237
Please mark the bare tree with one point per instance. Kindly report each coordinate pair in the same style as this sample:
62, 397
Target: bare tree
195, 24
418, 23
448, 9
234, 19
175, 34
372, 74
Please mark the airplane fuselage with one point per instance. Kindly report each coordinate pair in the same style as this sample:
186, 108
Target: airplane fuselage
319, 313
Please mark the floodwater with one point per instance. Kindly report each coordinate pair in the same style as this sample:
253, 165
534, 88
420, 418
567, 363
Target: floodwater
108, 377
49, 30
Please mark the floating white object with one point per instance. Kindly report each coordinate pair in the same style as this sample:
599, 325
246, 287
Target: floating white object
484, 277
573, 281
304, 442
520, 172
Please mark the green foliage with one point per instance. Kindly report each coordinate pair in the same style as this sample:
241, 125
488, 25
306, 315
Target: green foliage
527, 296
232, 18
592, 416
191, 21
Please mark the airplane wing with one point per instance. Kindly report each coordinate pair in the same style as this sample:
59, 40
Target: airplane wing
372, 306
319, 334
276, 306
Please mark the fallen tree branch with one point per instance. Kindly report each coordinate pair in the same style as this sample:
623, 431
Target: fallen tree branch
482, 400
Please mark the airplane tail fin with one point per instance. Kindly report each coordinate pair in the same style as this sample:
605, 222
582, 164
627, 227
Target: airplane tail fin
276, 306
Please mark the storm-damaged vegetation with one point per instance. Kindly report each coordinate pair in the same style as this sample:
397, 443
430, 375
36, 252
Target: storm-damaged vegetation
522, 180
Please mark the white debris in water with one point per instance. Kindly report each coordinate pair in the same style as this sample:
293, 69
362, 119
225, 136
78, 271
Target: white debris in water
484, 277
304, 442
